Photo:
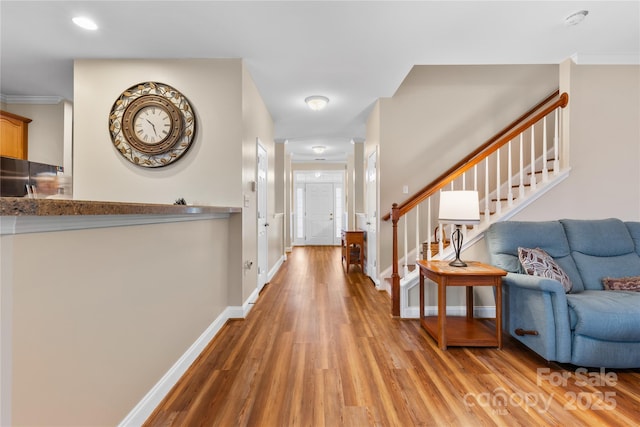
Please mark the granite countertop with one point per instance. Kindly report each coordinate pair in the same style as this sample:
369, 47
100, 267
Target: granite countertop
22, 206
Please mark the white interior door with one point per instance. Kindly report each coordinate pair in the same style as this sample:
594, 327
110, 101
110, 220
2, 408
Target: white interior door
372, 216
263, 224
319, 215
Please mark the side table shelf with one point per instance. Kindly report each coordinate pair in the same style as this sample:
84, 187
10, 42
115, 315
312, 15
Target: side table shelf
461, 330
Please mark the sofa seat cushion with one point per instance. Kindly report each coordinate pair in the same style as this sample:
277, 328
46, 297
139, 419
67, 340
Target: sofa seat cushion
605, 315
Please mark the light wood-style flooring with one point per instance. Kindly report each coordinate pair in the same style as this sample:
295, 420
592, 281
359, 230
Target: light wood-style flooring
320, 348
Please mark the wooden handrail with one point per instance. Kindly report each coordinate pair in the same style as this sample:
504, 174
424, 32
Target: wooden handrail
490, 146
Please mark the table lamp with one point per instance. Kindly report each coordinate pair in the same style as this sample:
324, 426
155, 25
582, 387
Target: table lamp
459, 208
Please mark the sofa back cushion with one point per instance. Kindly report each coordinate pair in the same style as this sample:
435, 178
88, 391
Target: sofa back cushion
504, 238
601, 248
634, 230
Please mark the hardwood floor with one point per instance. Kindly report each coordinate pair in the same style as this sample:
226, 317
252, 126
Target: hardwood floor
320, 348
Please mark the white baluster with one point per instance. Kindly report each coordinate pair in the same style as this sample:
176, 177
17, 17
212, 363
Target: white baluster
533, 159
545, 169
487, 212
429, 254
509, 173
556, 138
498, 183
440, 234
406, 255
521, 186
464, 181
417, 234
475, 177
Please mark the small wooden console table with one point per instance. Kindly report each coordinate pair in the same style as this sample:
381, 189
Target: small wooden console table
349, 239
459, 330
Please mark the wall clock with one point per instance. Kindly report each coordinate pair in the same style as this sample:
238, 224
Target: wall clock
152, 124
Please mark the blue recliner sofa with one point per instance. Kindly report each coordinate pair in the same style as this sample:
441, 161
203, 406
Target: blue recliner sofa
588, 326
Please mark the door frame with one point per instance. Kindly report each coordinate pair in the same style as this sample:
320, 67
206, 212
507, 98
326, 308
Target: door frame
373, 218
262, 220
298, 202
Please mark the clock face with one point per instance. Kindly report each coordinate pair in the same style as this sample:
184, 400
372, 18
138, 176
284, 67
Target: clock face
152, 124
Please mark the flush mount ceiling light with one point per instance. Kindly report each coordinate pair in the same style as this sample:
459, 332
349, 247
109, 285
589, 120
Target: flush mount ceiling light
86, 23
318, 149
316, 102
575, 18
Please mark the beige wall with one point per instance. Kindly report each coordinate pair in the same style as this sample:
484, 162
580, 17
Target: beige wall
441, 113
98, 316
605, 147
210, 172
46, 131
256, 125
146, 292
604, 134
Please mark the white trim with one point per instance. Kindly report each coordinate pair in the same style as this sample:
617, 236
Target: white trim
275, 268
480, 312
152, 399
248, 304
39, 224
38, 100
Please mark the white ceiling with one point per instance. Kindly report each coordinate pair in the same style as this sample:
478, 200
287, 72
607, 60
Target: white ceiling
352, 52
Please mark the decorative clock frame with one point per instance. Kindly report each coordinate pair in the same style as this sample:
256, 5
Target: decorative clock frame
152, 124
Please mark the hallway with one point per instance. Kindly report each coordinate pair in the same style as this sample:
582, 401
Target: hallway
319, 348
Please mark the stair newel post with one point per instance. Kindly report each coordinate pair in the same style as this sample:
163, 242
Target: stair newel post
556, 136
498, 183
533, 159
509, 173
521, 186
395, 278
545, 168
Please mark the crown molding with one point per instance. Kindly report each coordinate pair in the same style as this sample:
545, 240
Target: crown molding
606, 59
18, 99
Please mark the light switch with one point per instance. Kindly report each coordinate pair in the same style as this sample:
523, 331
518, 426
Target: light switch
405, 189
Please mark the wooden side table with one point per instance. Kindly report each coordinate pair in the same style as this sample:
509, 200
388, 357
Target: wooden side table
461, 330
349, 239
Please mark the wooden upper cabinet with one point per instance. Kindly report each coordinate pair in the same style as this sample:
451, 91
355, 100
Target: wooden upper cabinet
14, 135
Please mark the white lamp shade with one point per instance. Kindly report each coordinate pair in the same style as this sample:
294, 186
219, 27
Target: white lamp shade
459, 207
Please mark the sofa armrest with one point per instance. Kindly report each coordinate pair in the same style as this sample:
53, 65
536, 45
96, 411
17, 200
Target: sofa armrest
538, 304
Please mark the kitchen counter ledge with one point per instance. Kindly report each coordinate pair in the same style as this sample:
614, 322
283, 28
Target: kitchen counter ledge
24, 215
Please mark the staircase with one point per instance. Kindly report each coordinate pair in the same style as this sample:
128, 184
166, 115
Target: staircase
511, 170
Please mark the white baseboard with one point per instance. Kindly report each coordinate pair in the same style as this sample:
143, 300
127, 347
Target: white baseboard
413, 312
152, 399
275, 268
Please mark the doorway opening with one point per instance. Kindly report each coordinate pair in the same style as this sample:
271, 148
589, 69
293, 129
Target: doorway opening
319, 207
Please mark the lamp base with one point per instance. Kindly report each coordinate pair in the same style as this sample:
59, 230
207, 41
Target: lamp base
458, 263
456, 239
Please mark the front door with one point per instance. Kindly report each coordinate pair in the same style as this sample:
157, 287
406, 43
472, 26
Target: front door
319, 218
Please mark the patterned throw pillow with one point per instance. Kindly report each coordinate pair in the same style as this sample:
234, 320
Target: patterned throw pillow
622, 283
537, 262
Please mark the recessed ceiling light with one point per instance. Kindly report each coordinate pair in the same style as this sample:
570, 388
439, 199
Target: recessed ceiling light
318, 149
316, 102
86, 23
575, 18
